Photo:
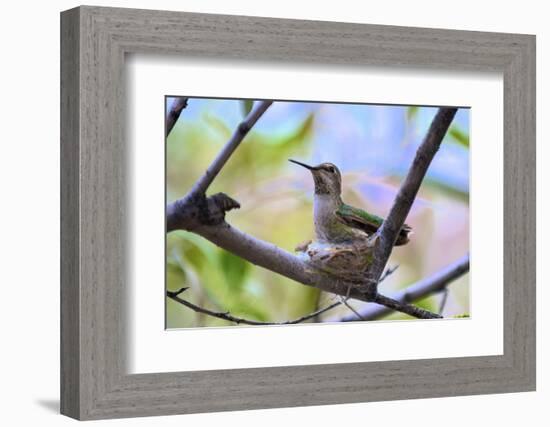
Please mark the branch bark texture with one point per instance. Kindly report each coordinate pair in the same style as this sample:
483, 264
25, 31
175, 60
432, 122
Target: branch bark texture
173, 115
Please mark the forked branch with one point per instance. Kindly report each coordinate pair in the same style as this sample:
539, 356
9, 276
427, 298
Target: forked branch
192, 209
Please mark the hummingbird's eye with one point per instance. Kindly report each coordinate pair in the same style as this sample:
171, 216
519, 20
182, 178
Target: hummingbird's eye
331, 169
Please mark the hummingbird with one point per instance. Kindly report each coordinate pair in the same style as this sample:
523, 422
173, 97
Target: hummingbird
335, 221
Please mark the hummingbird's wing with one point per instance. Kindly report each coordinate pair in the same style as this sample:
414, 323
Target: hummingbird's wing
369, 223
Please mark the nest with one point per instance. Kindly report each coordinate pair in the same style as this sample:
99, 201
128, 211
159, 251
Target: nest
347, 261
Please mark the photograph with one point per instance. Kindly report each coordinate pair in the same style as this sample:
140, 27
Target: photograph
313, 181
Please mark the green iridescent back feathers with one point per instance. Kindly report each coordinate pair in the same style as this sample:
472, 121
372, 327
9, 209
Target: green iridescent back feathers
370, 223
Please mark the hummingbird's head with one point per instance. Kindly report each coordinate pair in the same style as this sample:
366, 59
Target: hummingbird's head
326, 176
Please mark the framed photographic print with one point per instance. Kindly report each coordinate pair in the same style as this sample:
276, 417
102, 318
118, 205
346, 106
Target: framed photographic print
292, 213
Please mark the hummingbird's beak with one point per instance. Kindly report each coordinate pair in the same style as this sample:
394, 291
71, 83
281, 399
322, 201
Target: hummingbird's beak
311, 168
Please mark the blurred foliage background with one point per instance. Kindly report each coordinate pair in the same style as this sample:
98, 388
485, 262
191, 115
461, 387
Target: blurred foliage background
373, 145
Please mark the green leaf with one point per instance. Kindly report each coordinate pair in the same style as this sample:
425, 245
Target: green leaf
448, 190
412, 112
249, 310
235, 270
459, 136
194, 254
246, 106
462, 316
427, 303
176, 276
218, 125
301, 133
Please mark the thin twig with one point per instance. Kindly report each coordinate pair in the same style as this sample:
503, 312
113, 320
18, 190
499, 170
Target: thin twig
175, 110
443, 300
388, 273
318, 297
349, 306
406, 195
239, 320
430, 285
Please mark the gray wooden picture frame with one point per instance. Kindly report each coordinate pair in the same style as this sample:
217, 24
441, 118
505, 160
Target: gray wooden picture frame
94, 41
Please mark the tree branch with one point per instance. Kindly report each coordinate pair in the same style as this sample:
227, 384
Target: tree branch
388, 273
173, 115
430, 285
403, 307
406, 195
239, 320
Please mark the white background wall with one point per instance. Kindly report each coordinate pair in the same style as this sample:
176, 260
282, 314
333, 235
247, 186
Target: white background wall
29, 172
